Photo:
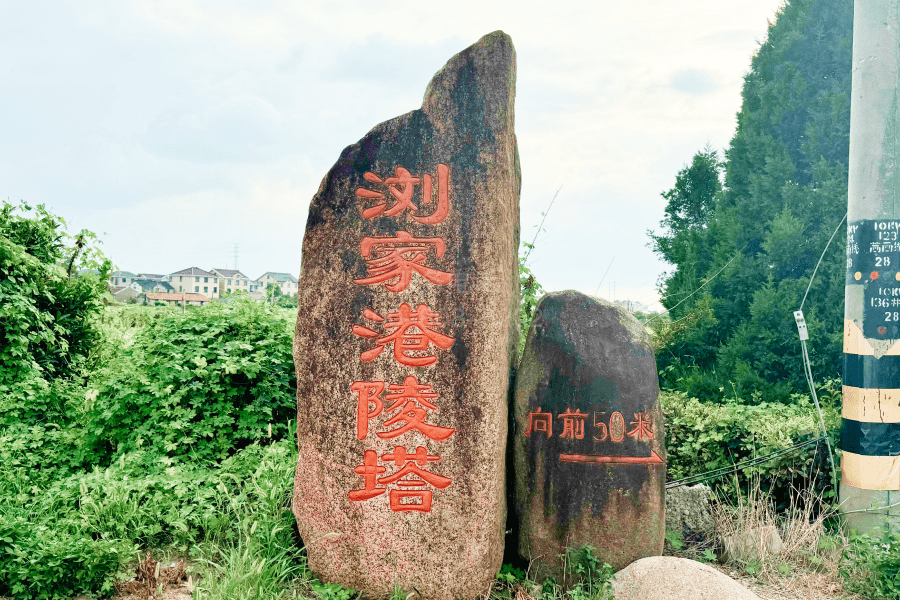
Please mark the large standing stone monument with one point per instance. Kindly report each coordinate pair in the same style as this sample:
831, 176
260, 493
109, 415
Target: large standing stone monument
406, 334
589, 452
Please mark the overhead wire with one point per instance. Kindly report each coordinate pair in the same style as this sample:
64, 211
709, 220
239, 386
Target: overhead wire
705, 283
715, 473
807, 366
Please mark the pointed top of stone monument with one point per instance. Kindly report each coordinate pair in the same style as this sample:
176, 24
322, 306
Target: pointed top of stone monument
478, 82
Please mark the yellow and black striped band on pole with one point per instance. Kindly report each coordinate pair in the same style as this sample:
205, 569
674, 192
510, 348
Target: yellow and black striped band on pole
870, 424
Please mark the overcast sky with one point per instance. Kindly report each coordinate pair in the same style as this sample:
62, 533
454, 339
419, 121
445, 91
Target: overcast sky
177, 129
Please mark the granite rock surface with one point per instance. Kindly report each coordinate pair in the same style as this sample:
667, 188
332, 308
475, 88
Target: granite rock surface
406, 336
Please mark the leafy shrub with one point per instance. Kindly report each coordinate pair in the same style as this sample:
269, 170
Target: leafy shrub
199, 385
45, 305
872, 566
701, 437
50, 560
76, 533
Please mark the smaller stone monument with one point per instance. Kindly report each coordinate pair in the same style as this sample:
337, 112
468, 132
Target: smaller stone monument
589, 451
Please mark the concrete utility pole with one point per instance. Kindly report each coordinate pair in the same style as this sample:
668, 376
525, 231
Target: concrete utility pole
870, 432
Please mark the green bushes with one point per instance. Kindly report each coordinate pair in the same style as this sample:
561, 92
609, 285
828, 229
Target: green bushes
45, 307
41, 559
77, 533
196, 385
702, 436
129, 428
872, 566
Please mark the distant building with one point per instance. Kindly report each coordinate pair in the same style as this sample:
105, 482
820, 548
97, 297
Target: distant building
285, 281
153, 276
231, 280
127, 292
153, 285
196, 281
179, 299
120, 278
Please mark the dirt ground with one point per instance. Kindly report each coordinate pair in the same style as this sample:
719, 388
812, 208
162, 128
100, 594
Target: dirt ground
804, 586
157, 580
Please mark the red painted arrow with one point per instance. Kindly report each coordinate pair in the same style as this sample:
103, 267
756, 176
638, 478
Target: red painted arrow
653, 459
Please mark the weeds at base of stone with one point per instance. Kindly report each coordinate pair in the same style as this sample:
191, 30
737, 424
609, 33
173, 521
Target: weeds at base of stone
585, 577
808, 563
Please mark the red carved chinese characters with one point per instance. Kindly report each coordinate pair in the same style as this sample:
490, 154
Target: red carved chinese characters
407, 398
369, 393
539, 421
411, 478
401, 188
601, 428
573, 424
409, 331
612, 429
641, 427
393, 261
370, 470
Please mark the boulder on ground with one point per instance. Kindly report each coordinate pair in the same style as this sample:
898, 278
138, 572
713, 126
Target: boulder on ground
589, 438
688, 510
672, 578
753, 544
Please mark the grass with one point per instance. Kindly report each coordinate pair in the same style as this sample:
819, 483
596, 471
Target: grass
811, 562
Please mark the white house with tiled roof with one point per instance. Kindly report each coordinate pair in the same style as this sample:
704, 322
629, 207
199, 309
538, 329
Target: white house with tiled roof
195, 280
123, 293
153, 285
286, 281
182, 299
231, 280
121, 278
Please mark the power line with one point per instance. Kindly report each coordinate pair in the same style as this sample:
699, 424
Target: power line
701, 477
604, 275
541, 226
699, 288
820, 260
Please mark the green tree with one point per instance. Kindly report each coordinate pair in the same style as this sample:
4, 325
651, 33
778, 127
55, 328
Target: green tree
273, 292
51, 286
754, 248
684, 241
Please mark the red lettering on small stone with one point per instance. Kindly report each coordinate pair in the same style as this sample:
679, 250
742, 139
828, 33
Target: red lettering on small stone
601, 428
653, 459
394, 259
641, 427
539, 421
409, 331
573, 424
616, 427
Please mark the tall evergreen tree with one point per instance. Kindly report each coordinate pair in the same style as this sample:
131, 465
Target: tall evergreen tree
785, 191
